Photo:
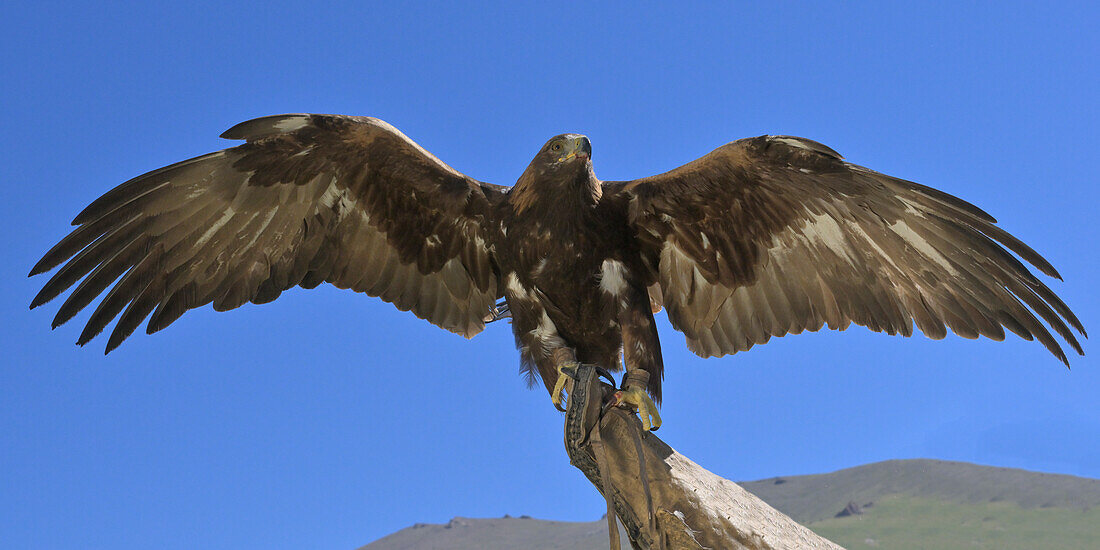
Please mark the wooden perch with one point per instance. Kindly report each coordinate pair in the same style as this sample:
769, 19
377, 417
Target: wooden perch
666, 501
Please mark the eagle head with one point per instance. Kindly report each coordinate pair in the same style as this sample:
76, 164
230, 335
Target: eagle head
561, 169
565, 152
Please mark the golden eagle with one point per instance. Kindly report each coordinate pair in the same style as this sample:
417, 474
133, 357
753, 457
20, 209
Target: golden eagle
759, 238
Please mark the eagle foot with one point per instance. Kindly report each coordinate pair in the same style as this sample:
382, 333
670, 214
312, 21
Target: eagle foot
564, 383
569, 370
636, 399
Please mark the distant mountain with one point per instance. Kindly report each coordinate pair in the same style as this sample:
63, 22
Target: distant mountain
500, 534
897, 504
812, 498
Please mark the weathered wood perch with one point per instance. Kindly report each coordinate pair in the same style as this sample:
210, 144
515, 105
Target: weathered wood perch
665, 500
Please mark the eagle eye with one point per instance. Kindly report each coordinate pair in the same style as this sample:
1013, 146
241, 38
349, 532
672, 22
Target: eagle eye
556, 146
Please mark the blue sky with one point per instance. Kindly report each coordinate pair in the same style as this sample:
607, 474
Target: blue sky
328, 419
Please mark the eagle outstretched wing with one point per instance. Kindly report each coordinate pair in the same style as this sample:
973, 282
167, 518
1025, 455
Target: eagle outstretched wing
307, 199
775, 234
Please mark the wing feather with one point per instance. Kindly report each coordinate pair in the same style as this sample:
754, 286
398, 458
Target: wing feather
776, 235
307, 199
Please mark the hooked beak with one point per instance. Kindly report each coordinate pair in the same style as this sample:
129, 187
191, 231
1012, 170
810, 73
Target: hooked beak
585, 148
580, 148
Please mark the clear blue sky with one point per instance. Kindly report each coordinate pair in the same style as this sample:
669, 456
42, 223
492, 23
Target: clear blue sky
328, 419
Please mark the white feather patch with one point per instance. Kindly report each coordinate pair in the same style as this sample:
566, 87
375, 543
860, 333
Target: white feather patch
904, 231
823, 230
215, 227
789, 141
515, 288
860, 233
613, 277
546, 329
546, 335
911, 208
511, 284
292, 123
341, 200
260, 231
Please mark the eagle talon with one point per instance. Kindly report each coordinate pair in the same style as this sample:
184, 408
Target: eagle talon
568, 369
638, 400
605, 374
565, 377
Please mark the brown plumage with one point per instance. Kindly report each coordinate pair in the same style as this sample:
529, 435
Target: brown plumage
762, 237
308, 199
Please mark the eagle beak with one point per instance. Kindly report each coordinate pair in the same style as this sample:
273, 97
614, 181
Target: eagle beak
584, 148
581, 148
576, 147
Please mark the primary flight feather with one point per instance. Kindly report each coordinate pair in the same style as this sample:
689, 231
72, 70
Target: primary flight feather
761, 237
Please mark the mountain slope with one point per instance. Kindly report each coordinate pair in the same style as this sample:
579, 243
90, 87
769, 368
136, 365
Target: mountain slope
499, 534
916, 523
896, 504
817, 497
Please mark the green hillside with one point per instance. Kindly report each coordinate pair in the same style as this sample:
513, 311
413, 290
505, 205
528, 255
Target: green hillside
812, 498
892, 505
935, 504
912, 523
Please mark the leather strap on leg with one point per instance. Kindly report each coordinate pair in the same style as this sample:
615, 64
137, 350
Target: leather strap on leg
636, 378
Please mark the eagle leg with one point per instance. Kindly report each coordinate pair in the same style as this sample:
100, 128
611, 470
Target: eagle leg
634, 397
